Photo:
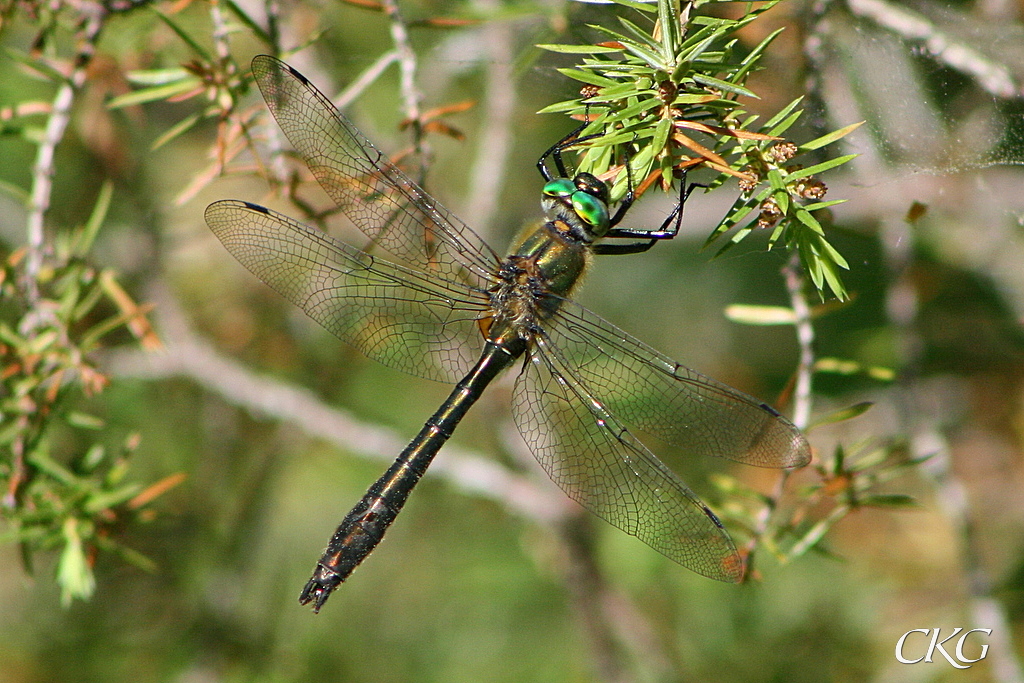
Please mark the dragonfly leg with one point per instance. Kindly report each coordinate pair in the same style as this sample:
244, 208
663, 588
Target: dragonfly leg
555, 150
669, 228
627, 201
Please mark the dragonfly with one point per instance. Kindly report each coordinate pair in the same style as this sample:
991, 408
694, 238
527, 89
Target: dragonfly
446, 306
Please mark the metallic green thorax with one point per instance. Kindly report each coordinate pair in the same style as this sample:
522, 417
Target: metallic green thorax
548, 261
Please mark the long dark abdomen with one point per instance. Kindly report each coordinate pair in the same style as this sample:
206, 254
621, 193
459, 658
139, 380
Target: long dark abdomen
364, 527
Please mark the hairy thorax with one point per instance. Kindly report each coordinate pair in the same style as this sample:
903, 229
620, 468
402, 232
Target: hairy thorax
542, 271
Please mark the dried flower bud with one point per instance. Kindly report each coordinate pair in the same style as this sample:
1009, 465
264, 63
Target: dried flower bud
782, 152
770, 213
810, 188
667, 91
588, 91
750, 183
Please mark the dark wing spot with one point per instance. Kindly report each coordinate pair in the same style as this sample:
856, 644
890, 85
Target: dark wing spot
256, 207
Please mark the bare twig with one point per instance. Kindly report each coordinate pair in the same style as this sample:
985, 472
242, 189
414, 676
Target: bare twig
92, 18
814, 54
623, 642
993, 77
365, 79
407, 63
491, 163
802, 391
273, 10
220, 35
805, 341
411, 96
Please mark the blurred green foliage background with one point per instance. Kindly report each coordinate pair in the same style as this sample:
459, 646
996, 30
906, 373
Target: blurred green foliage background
263, 429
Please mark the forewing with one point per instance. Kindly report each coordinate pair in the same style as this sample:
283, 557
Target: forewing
403, 318
604, 468
376, 196
652, 393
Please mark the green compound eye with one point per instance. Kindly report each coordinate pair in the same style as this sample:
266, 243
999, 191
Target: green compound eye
590, 209
559, 187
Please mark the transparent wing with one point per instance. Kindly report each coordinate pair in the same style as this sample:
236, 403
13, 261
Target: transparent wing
652, 393
375, 195
407, 320
604, 468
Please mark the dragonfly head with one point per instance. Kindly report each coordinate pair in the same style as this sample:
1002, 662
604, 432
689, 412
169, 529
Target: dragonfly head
581, 202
